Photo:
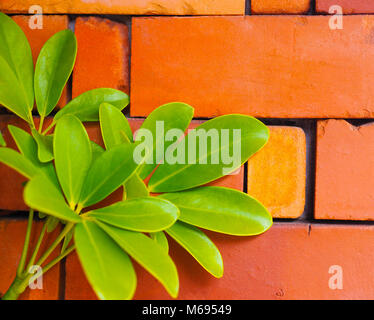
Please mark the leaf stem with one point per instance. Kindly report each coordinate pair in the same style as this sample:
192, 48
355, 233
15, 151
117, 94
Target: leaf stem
41, 124
37, 247
59, 258
55, 243
48, 128
22, 262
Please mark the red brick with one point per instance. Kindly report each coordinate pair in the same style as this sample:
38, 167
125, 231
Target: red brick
344, 171
134, 7
279, 6
348, 6
103, 54
12, 235
265, 66
289, 261
276, 174
37, 37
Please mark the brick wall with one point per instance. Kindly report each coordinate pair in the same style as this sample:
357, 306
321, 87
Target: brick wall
276, 60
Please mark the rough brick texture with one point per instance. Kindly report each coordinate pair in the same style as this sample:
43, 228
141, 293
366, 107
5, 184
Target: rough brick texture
276, 174
102, 59
12, 236
136, 7
265, 66
279, 6
345, 171
348, 6
290, 261
37, 37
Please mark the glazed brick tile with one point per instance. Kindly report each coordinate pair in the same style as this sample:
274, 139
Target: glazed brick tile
277, 173
289, 261
348, 6
103, 55
279, 6
12, 235
134, 7
264, 66
344, 171
37, 37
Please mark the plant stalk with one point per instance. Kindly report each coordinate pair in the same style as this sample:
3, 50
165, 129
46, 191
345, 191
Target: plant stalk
22, 262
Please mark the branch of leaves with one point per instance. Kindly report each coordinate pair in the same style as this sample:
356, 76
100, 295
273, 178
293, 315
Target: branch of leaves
212, 208
20, 86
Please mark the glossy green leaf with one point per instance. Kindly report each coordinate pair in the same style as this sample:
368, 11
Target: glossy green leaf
222, 210
28, 147
16, 69
141, 214
42, 195
18, 162
113, 124
73, 156
86, 106
97, 151
52, 223
199, 246
213, 161
52, 70
135, 188
45, 146
176, 116
148, 254
161, 240
107, 267
2, 141
107, 174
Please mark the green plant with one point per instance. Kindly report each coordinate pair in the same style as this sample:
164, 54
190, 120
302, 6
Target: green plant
68, 174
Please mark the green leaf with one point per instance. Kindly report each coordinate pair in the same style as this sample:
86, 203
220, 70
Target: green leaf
148, 254
86, 106
2, 141
107, 174
116, 130
73, 156
52, 223
42, 195
45, 146
213, 161
97, 151
112, 124
18, 162
52, 70
28, 147
222, 210
16, 69
199, 246
67, 240
107, 267
175, 115
161, 240
141, 214
135, 188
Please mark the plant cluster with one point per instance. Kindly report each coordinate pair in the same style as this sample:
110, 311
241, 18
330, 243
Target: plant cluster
68, 176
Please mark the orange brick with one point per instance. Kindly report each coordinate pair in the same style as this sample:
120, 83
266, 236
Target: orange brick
289, 261
276, 174
135, 7
348, 6
12, 235
280, 6
37, 37
265, 66
344, 171
103, 54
